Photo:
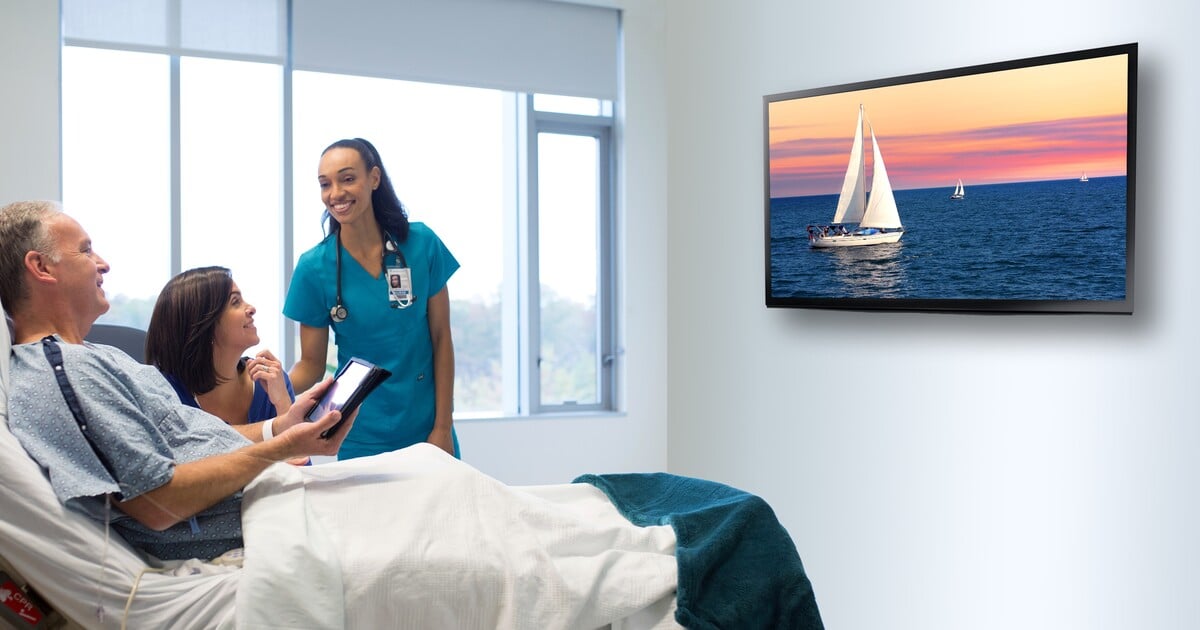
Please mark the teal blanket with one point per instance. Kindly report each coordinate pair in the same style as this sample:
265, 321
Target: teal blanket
738, 567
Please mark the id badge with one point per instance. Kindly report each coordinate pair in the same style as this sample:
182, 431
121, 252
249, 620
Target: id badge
399, 287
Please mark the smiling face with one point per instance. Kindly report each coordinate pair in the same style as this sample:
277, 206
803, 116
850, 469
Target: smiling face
346, 184
235, 330
78, 268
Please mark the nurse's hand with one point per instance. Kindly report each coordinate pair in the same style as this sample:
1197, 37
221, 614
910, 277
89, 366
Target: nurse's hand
442, 438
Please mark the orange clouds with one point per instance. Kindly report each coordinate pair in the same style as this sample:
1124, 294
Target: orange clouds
1043, 122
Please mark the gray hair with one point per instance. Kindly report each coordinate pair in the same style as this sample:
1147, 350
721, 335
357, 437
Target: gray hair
23, 228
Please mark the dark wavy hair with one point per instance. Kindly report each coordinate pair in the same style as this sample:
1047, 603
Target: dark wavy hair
179, 341
389, 212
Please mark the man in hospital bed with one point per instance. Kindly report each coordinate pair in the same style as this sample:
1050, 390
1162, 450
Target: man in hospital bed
412, 538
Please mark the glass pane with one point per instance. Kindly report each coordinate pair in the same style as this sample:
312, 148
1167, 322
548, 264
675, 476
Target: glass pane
568, 194
231, 148
568, 104
116, 175
443, 147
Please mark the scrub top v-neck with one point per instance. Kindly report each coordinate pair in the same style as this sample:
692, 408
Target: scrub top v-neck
401, 411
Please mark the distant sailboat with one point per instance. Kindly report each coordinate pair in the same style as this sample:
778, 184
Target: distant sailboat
877, 218
958, 193
1083, 178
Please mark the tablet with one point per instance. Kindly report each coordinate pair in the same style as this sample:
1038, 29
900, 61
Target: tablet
350, 387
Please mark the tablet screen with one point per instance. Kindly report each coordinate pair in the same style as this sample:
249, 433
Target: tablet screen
340, 390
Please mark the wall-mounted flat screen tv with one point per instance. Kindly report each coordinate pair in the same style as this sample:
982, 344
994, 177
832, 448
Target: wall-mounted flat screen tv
1005, 187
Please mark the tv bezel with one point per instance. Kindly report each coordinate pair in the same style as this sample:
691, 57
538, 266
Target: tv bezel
1118, 307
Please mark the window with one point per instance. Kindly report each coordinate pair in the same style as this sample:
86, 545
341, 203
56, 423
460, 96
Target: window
573, 353
211, 151
172, 123
116, 169
231, 157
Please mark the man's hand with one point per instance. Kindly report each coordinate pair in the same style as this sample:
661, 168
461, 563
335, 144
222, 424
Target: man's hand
196, 485
297, 437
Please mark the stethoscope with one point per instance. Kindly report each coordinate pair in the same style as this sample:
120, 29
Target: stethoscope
339, 313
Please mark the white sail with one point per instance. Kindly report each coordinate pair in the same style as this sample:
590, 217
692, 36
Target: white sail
959, 193
876, 215
882, 211
853, 199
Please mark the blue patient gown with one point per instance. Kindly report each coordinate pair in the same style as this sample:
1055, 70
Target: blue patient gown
137, 421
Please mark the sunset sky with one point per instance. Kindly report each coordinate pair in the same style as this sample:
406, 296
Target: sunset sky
1042, 123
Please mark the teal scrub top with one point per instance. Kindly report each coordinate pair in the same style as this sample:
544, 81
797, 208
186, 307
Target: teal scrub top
401, 411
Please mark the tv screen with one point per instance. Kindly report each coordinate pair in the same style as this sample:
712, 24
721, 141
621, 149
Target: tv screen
1005, 187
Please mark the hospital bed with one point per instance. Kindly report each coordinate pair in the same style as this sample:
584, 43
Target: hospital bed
443, 553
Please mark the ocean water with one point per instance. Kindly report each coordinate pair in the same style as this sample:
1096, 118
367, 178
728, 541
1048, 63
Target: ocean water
1051, 240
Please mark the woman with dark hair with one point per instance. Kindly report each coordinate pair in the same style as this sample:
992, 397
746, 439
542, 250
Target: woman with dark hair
345, 283
200, 327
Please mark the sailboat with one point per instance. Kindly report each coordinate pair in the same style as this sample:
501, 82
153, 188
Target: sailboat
958, 193
1083, 178
877, 218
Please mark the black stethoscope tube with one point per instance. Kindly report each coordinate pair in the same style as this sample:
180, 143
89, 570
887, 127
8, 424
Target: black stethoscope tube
339, 312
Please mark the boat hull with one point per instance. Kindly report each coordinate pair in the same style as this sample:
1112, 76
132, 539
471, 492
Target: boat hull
855, 240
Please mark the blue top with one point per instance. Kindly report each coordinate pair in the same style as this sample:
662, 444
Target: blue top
136, 420
261, 407
401, 411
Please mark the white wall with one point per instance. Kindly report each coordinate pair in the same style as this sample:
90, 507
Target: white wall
517, 451
29, 96
1019, 471
1027, 472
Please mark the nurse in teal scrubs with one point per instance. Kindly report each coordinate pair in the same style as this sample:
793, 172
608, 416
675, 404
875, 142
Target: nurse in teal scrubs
379, 282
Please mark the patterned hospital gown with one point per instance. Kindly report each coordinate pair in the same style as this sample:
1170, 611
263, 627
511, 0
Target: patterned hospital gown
138, 422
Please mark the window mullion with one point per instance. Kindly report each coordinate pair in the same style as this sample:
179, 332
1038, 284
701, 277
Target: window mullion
513, 399
528, 280
287, 237
606, 289
174, 37
176, 158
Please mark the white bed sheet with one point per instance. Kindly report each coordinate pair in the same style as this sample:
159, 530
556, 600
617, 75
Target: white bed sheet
511, 557
418, 539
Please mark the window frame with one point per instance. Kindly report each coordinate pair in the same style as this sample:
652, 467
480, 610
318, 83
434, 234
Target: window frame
600, 128
521, 294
